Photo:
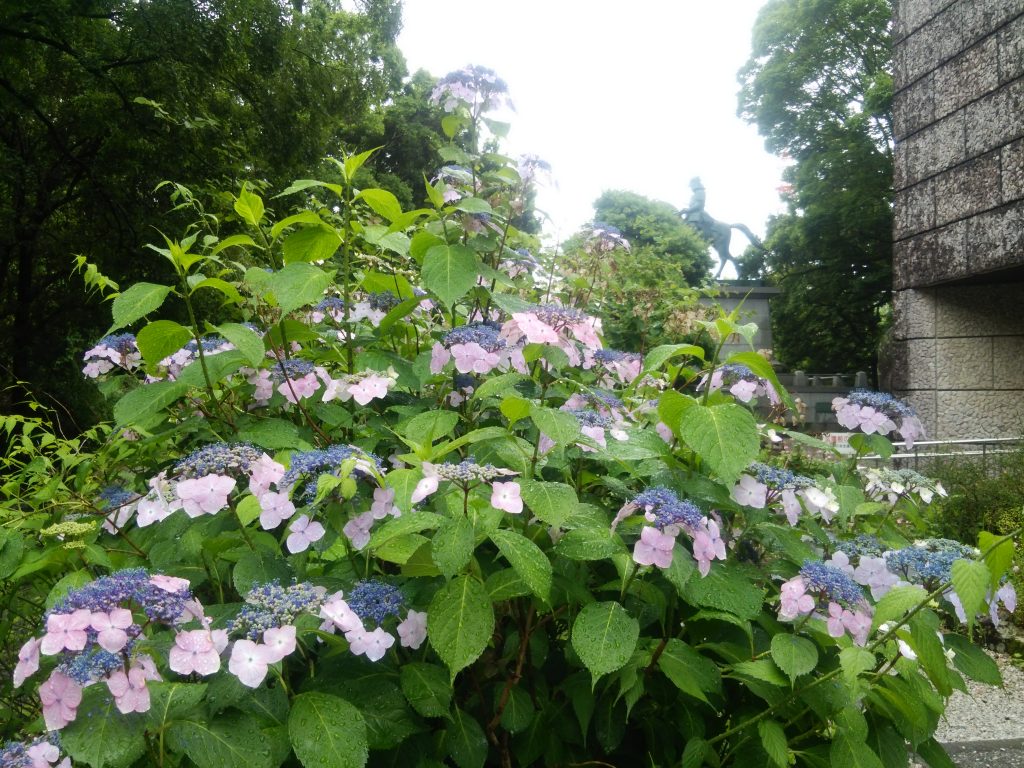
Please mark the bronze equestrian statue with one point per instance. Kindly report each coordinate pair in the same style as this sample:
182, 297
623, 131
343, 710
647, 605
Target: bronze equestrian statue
716, 233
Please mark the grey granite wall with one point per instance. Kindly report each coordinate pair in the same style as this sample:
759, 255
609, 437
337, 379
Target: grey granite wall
958, 261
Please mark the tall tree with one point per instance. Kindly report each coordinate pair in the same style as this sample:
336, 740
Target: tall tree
818, 87
101, 100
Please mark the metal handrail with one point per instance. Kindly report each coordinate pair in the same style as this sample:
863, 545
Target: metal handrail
983, 442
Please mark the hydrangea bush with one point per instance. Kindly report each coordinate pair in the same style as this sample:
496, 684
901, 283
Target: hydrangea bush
394, 503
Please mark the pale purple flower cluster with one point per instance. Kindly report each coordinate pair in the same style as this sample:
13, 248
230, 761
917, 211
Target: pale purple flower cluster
332, 307
478, 88
117, 349
232, 459
271, 605
622, 367
604, 238
599, 415
466, 475
42, 752
119, 503
211, 345
476, 348
929, 561
878, 412
93, 632
376, 602
742, 383
669, 515
826, 582
893, 484
763, 486
306, 466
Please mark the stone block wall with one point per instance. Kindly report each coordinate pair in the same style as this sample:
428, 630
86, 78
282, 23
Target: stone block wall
958, 261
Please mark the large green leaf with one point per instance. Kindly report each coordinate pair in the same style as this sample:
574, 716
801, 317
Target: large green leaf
460, 622
382, 202
427, 688
973, 661
794, 655
590, 544
551, 503
527, 559
658, 356
732, 589
427, 427
466, 741
604, 636
896, 602
310, 244
248, 343
105, 738
249, 206
563, 428
297, 285
230, 741
773, 740
137, 302
998, 557
327, 732
970, 580
692, 673
850, 752
452, 545
449, 271
144, 402
724, 436
171, 701
161, 338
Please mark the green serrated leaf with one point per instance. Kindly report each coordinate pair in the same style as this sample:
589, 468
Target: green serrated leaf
449, 271
146, 401
160, 339
551, 503
773, 740
426, 688
460, 622
895, 604
249, 206
604, 636
794, 655
691, 673
297, 285
248, 343
970, 581
137, 302
106, 738
317, 243
452, 545
527, 559
327, 732
724, 436
467, 744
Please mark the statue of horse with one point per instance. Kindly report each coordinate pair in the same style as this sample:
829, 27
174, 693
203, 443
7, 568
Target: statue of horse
716, 233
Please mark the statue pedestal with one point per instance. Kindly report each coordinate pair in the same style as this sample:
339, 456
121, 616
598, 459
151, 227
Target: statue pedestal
754, 296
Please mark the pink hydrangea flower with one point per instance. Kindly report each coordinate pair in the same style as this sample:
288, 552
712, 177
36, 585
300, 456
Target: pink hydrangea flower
205, 495
280, 642
275, 508
110, 628
169, 583
427, 485
370, 388
506, 496
194, 651
534, 329
129, 690
44, 755
654, 547
294, 390
472, 358
384, 503
708, 545
263, 474
357, 530
60, 696
303, 533
439, 357
249, 662
28, 661
794, 600
371, 644
66, 630
340, 615
413, 630
750, 492
743, 390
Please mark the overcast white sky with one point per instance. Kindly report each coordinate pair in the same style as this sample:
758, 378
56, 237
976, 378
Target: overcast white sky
638, 96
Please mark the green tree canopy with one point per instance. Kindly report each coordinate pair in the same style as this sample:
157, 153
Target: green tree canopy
101, 100
818, 87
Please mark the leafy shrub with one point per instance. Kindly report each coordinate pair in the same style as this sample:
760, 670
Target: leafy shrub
393, 502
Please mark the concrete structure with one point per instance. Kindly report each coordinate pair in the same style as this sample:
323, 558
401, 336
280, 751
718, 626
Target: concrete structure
958, 265
752, 297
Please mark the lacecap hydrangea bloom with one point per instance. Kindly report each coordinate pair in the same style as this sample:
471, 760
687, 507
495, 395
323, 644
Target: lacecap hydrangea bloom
820, 584
742, 383
763, 486
878, 412
668, 516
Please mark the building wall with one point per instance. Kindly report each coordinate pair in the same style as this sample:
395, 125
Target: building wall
958, 262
